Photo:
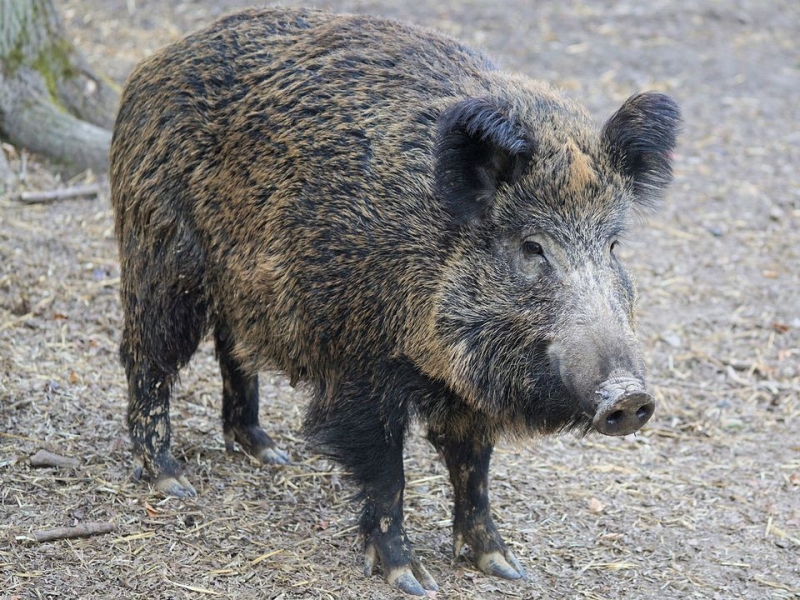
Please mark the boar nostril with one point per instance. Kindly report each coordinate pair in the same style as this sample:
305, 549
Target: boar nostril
616, 416
645, 412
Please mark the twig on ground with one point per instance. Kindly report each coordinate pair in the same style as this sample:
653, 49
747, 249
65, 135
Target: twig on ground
16, 320
43, 458
81, 530
78, 191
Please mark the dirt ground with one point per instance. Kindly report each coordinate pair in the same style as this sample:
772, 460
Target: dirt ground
704, 503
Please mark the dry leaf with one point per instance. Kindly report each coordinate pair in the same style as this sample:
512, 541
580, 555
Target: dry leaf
780, 327
151, 512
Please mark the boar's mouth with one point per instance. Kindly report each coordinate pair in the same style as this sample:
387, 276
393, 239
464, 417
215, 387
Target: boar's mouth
623, 406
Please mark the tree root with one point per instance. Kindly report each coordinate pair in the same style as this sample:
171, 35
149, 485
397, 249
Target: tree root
50, 101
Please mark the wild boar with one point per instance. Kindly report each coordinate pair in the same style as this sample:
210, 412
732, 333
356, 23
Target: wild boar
379, 211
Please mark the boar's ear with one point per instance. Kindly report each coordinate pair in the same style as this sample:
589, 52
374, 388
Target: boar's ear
478, 147
640, 138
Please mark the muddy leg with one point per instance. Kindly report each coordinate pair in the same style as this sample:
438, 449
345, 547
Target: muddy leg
148, 424
468, 462
165, 308
240, 408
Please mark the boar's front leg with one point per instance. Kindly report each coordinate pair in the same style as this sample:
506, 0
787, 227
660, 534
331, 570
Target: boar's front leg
363, 428
385, 539
240, 406
467, 459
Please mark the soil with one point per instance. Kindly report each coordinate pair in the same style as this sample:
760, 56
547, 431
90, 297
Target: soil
703, 503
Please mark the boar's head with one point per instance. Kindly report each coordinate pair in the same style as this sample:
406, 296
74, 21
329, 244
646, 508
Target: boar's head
533, 319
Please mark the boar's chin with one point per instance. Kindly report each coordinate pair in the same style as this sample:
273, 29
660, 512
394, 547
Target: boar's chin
554, 408
526, 398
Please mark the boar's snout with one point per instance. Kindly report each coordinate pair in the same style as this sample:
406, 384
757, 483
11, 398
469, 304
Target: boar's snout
624, 406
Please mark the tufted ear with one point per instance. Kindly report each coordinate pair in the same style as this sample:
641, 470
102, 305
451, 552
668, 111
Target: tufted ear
478, 147
640, 138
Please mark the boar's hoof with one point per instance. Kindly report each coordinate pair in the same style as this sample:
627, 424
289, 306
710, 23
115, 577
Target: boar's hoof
169, 480
413, 580
407, 574
624, 407
500, 564
273, 456
177, 486
256, 443
495, 558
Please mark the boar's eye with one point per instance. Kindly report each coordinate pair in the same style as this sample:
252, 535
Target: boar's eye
531, 249
614, 246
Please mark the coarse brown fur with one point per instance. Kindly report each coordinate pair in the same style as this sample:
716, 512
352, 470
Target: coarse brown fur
377, 210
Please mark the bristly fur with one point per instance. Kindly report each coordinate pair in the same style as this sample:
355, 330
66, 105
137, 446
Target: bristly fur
376, 210
641, 138
478, 148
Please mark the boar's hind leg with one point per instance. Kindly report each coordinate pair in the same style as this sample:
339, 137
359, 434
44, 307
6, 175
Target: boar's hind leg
148, 423
165, 318
366, 435
240, 407
467, 461
165, 310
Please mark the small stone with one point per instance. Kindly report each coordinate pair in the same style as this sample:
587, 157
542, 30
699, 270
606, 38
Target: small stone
776, 213
672, 338
595, 506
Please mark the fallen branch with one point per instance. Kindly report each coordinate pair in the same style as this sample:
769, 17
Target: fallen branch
43, 458
81, 530
78, 191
